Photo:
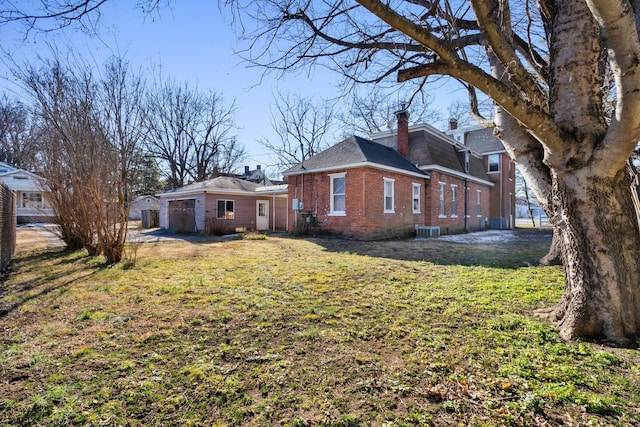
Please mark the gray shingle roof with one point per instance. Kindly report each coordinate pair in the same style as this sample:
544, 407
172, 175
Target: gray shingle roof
220, 183
483, 141
355, 150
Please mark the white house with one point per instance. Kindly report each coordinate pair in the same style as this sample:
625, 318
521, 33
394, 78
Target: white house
143, 203
31, 195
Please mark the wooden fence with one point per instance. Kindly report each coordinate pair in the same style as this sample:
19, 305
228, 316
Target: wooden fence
7, 225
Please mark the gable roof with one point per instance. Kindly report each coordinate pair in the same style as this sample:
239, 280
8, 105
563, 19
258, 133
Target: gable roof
356, 152
222, 185
23, 180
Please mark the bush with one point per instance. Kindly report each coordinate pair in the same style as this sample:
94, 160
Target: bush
216, 227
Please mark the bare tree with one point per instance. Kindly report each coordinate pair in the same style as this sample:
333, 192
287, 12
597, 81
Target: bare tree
302, 125
90, 133
121, 118
17, 140
375, 112
190, 132
544, 66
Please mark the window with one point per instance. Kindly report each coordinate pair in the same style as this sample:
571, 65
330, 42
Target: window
32, 200
466, 161
225, 209
510, 171
454, 207
494, 162
441, 212
478, 203
416, 198
388, 195
338, 193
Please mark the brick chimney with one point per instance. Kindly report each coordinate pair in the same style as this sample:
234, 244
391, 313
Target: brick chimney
453, 124
403, 129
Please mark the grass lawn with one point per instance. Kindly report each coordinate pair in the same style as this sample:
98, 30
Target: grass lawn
291, 332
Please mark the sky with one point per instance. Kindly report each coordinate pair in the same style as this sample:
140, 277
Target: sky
188, 41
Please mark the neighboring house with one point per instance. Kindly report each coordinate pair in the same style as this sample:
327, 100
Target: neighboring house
143, 203
31, 195
224, 203
257, 175
400, 179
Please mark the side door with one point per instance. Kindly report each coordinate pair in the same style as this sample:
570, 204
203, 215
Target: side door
262, 215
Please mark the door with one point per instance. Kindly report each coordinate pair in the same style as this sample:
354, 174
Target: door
182, 216
262, 215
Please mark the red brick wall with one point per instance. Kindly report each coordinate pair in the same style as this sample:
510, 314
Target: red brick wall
451, 223
503, 195
364, 199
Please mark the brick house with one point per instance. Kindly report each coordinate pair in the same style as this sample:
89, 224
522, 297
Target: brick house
386, 186
500, 169
357, 189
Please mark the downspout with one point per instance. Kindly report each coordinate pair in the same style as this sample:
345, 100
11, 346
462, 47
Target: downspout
466, 204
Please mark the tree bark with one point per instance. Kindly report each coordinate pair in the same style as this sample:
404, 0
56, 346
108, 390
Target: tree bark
601, 243
554, 256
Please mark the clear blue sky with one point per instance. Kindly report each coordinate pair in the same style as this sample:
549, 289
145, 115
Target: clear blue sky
190, 41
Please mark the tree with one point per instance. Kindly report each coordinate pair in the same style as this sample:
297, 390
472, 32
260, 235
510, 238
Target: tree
545, 68
90, 134
17, 139
375, 112
190, 132
302, 125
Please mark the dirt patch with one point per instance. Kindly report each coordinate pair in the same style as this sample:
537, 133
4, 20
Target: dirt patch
36, 238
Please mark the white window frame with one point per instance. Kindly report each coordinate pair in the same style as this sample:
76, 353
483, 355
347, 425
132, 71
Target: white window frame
332, 208
389, 195
442, 212
34, 200
454, 203
415, 197
478, 203
226, 214
496, 163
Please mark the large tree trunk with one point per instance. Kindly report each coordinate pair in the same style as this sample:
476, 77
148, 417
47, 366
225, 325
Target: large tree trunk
600, 240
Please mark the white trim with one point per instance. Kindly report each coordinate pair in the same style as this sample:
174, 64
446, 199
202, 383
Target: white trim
332, 210
415, 185
393, 195
456, 173
355, 166
442, 200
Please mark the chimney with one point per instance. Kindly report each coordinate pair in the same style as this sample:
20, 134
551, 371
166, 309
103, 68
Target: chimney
453, 124
258, 167
246, 170
403, 129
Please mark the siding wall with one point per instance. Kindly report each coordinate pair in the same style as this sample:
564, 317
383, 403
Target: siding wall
245, 210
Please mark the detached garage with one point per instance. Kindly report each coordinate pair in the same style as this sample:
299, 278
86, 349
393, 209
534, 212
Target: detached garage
224, 203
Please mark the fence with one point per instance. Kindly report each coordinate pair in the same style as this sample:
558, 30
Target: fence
7, 225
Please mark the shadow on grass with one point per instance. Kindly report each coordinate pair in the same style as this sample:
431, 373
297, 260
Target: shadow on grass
14, 294
519, 248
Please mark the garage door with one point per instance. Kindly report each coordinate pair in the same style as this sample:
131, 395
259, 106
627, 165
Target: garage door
182, 216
